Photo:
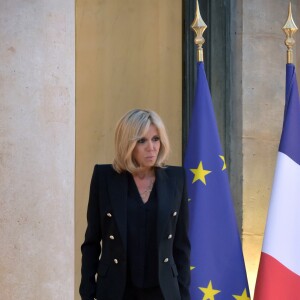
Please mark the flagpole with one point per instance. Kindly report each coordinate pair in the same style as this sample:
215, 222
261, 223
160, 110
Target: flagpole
290, 28
199, 27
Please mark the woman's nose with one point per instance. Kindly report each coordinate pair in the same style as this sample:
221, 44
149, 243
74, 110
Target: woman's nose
151, 145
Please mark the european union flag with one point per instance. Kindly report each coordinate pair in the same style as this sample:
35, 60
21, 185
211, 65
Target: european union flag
217, 263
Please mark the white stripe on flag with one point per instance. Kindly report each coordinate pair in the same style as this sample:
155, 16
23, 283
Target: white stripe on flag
282, 233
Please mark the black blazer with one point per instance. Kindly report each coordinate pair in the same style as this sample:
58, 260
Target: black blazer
107, 222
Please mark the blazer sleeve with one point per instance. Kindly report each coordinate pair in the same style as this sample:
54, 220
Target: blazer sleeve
181, 247
91, 248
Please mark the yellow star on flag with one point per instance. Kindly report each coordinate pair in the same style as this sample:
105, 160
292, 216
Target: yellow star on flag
209, 292
224, 163
192, 268
200, 173
244, 296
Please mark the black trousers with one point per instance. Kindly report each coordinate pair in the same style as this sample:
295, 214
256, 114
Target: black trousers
134, 293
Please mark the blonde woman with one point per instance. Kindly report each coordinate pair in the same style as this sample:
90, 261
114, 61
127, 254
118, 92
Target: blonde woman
136, 243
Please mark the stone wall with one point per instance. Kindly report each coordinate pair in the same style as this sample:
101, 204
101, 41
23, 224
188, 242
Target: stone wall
261, 65
37, 149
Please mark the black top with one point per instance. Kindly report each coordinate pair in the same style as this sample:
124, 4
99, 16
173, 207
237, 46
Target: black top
107, 215
142, 249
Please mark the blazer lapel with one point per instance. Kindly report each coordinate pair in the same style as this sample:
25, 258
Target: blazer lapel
165, 194
118, 190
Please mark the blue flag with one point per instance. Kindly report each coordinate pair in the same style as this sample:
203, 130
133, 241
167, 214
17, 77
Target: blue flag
217, 263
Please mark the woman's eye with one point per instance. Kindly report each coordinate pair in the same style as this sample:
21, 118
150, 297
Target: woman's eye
155, 139
141, 141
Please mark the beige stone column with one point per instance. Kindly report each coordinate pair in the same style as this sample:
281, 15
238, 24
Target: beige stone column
37, 148
262, 62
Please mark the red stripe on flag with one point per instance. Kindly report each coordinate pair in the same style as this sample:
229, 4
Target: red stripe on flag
275, 281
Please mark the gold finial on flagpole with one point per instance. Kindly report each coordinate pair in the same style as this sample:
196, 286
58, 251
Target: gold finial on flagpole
290, 28
199, 27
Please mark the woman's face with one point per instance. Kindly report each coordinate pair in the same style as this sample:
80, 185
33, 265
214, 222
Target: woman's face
147, 148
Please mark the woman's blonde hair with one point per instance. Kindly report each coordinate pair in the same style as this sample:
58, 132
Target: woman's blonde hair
130, 128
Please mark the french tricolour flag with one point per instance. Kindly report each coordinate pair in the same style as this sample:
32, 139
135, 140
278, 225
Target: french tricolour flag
279, 269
